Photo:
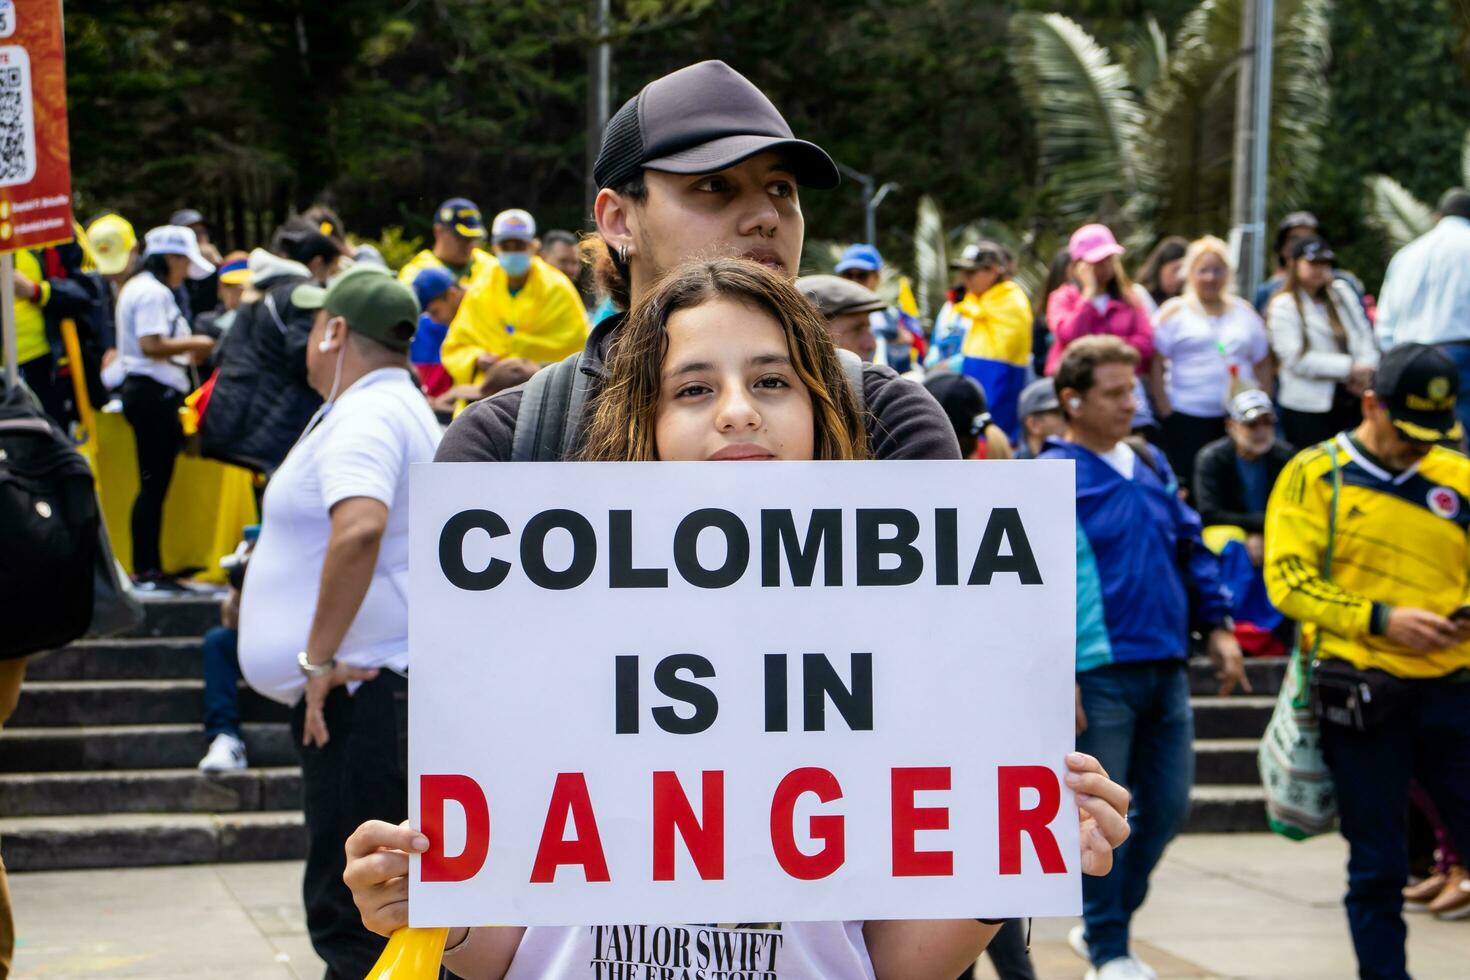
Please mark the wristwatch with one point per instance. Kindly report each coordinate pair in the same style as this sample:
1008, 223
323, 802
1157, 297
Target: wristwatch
311, 670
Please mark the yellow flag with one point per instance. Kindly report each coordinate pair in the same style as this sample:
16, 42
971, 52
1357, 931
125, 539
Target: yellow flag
906, 301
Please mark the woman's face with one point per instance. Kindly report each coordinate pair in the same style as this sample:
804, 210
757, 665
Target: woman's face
729, 390
1171, 282
1313, 275
1209, 277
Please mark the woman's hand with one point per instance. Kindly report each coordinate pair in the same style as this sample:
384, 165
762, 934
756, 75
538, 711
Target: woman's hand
377, 873
1102, 806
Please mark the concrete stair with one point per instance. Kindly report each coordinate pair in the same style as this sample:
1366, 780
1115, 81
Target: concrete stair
97, 764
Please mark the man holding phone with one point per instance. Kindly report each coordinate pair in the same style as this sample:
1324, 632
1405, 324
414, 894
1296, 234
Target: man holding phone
1366, 547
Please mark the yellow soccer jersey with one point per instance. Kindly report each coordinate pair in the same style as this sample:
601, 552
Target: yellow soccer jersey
1400, 541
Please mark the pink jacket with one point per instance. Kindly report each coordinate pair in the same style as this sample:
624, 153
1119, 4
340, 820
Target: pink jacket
1069, 316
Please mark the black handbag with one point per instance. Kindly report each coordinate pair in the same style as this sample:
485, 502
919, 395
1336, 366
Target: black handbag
1363, 700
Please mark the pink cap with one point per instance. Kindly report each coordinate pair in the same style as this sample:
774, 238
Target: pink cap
1093, 243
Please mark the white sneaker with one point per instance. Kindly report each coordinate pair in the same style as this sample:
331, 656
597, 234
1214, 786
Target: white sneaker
1077, 939
1123, 968
225, 752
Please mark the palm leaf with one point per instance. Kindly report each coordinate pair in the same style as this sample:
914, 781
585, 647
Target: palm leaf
1398, 214
1146, 54
1089, 125
931, 260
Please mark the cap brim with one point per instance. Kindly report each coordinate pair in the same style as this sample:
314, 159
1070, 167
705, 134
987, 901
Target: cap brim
809, 163
111, 265
1103, 252
1427, 426
237, 278
308, 297
1255, 413
465, 231
872, 306
846, 266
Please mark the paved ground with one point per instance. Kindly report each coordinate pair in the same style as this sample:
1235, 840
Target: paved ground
1232, 905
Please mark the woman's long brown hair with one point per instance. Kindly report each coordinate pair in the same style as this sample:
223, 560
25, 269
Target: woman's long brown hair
622, 425
1292, 286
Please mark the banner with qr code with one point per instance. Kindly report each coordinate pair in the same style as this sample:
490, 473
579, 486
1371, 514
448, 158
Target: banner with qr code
35, 155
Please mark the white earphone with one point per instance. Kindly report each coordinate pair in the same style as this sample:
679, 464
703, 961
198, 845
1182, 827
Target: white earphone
326, 345
1074, 403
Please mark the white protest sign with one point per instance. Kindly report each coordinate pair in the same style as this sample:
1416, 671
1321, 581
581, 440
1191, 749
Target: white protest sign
711, 692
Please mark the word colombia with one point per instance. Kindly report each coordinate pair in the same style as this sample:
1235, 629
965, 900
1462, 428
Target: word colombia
885, 541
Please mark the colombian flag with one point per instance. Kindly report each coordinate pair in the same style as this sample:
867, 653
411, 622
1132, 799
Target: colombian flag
997, 348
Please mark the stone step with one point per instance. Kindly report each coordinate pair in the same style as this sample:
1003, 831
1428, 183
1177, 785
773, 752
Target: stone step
1264, 673
1238, 716
1226, 761
49, 704
117, 747
118, 840
46, 794
1224, 810
179, 615
134, 658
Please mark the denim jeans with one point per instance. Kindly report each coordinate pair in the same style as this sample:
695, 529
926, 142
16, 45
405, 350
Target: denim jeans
1460, 354
222, 682
1428, 741
1141, 728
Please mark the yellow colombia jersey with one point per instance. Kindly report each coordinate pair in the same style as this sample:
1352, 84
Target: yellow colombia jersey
1400, 541
480, 265
544, 321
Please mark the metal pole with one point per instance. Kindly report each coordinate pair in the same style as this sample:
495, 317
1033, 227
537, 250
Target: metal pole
870, 217
7, 318
599, 75
1252, 144
871, 209
1261, 165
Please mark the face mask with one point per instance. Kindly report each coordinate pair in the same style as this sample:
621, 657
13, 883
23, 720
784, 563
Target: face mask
515, 264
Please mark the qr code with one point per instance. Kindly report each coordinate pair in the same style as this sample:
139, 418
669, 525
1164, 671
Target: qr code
17, 123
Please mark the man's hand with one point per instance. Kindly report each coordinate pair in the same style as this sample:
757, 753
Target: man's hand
200, 347
445, 402
314, 732
26, 288
229, 610
1102, 808
486, 361
507, 374
1229, 663
1421, 630
1255, 549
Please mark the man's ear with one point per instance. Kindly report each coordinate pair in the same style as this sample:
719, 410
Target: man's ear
535, 246
612, 212
1071, 400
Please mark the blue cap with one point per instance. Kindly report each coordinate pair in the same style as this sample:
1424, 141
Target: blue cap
864, 257
430, 284
463, 216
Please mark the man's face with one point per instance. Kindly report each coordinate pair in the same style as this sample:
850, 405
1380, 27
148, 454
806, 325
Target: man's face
1396, 451
1045, 425
442, 308
563, 255
978, 281
513, 245
867, 278
230, 295
450, 248
749, 210
1106, 410
1252, 439
854, 332
321, 365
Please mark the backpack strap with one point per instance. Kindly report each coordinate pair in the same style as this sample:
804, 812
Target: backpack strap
1145, 453
546, 401
852, 366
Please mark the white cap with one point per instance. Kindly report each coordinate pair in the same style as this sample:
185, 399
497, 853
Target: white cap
178, 240
514, 224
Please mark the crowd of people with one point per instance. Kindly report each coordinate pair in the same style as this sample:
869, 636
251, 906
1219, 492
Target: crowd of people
1200, 527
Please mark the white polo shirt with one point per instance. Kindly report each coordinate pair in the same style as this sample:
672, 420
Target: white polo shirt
146, 307
362, 447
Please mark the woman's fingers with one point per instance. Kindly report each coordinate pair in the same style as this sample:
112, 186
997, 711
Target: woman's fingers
375, 834
1109, 822
1097, 853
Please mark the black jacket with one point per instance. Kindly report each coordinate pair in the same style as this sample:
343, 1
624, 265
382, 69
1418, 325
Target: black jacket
1218, 494
261, 400
903, 419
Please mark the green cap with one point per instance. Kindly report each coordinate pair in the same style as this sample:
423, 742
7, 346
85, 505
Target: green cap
372, 301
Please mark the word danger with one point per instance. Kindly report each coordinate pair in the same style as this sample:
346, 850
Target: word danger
884, 541
672, 814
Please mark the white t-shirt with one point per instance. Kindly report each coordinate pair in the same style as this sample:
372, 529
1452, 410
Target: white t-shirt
1201, 350
362, 447
146, 307
1121, 458
725, 951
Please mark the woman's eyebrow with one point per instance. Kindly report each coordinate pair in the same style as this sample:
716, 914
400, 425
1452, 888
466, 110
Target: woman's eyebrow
688, 367
765, 359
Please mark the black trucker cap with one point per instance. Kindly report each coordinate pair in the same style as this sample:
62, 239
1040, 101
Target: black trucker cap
1418, 385
698, 120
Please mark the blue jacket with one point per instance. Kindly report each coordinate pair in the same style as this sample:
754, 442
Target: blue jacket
1141, 563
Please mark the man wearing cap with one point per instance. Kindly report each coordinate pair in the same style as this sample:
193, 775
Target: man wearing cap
987, 334
1294, 228
1426, 292
895, 344
233, 275
439, 296
1041, 417
114, 247
200, 295
1366, 547
324, 605
518, 316
458, 231
846, 307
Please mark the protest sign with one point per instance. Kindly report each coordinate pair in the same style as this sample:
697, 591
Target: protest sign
718, 692
35, 158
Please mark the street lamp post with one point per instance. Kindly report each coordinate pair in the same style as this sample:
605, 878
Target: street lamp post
873, 196
1252, 144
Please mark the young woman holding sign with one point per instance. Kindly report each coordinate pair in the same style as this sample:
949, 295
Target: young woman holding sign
725, 360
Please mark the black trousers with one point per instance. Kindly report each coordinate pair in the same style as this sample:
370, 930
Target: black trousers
361, 774
1184, 436
1007, 952
152, 409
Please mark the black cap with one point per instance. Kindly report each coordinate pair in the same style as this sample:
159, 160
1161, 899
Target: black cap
981, 255
1293, 221
1418, 386
962, 399
186, 217
1313, 249
698, 120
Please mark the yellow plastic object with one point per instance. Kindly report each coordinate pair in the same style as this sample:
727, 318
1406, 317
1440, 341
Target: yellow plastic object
1217, 536
411, 954
85, 434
